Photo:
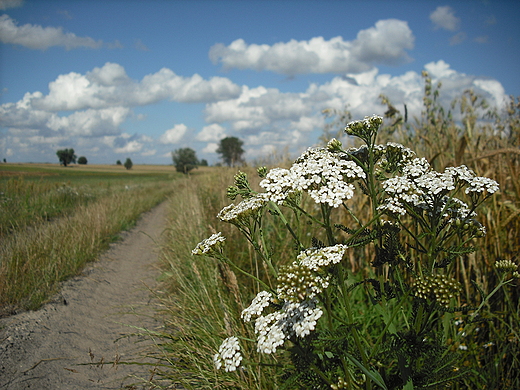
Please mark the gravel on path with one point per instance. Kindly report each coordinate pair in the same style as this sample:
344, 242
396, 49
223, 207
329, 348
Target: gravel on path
72, 342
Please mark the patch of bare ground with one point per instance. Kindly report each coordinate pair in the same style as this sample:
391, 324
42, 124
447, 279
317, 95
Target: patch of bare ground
86, 337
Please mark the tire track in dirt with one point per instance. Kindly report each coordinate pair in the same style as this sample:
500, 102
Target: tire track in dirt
66, 344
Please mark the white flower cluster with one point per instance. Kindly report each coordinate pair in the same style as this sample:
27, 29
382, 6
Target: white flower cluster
257, 306
316, 258
294, 319
326, 177
209, 245
228, 355
481, 184
242, 210
422, 187
278, 183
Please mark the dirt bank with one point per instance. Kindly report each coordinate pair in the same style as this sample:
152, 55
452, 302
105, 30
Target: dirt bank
71, 342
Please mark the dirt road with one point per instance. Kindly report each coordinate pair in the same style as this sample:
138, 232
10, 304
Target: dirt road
71, 343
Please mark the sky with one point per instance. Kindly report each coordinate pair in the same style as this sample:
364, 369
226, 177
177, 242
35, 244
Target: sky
117, 79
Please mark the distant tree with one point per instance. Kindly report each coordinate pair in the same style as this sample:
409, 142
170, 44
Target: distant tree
82, 160
129, 164
118, 162
203, 163
5, 160
184, 159
66, 156
230, 148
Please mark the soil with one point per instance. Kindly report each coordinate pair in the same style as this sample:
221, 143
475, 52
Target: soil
86, 335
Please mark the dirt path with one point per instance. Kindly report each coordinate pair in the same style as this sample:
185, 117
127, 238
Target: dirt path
53, 348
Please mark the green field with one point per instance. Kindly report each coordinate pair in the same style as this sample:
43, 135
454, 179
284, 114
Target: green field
54, 219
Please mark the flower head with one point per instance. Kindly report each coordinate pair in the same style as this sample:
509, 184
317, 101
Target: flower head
259, 303
297, 283
317, 258
209, 245
294, 319
228, 355
243, 210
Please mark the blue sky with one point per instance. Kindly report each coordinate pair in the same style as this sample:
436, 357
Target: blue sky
116, 79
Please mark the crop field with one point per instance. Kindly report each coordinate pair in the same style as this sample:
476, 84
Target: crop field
54, 219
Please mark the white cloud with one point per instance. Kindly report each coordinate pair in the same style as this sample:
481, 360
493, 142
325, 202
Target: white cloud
211, 133
110, 86
5, 4
385, 43
210, 148
173, 135
130, 147
444, 18
38, 37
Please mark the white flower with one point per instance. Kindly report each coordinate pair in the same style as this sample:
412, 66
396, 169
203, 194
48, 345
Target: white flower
481, 184
209, 245
259, 303
416, 167
270, 332
243, 210
278, 183
316, 258
228, 355
294, 319
461, 173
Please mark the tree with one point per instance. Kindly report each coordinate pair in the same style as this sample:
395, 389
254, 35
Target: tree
128, 164
82, 160
66, 156
118, 162
184, 159
230, 148
203, 163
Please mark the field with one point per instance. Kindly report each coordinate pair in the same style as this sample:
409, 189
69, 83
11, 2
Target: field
55, 219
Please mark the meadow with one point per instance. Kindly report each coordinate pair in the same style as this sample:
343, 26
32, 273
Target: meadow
397, 337
53, 220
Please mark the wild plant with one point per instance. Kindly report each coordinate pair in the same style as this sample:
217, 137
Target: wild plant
398, 323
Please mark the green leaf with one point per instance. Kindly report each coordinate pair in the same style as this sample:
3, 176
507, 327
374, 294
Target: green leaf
372, 374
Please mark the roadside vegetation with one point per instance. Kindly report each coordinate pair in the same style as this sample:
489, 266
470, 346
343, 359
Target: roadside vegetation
399, 328
54, 220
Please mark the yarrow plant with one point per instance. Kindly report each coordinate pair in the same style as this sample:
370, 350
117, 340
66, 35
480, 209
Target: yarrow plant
330, 328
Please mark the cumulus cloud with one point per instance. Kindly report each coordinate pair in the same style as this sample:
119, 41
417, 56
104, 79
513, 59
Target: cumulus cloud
263, 116
110, 86
38, 37
385, 43
444, 18
130, 147
211, 133
174, 135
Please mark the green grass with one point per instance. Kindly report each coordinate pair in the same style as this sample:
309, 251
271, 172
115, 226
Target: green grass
54, 220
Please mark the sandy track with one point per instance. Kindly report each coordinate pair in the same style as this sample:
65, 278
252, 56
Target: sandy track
54, 347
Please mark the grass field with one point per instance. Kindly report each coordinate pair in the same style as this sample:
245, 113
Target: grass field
54, 219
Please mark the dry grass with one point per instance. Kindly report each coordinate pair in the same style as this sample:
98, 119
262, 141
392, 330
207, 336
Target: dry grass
51, 229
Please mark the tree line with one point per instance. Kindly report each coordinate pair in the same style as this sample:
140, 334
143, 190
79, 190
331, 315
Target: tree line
184, 159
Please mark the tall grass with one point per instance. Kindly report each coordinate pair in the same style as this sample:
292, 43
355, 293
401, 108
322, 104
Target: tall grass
206, 298
34, 259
